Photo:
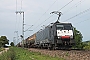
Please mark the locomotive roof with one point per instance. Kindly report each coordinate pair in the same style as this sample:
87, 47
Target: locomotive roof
63, 23
57, 22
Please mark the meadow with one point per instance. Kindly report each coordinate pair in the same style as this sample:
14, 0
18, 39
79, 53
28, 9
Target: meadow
16, 53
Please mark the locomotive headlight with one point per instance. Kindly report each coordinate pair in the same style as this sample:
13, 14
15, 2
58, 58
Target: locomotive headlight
71, 36
59, 37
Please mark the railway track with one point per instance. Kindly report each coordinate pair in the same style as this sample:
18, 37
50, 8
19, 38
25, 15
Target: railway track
67, 55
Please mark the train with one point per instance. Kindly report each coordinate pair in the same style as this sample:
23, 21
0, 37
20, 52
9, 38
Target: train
54, 36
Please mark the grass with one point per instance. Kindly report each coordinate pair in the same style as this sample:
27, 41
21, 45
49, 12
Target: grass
1, 49
10, 55
16, 53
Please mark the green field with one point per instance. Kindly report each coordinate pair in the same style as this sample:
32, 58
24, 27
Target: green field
15, 53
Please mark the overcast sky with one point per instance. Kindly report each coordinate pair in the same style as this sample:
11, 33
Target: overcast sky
37, 13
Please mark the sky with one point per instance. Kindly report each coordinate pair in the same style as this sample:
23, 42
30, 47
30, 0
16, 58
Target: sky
37, 16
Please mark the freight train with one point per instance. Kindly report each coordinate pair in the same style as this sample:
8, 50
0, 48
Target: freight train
54, 36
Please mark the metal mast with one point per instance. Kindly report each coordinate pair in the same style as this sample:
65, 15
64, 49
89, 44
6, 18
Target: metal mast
17, 36
22, 12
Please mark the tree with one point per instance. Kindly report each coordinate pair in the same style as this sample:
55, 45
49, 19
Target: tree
3, 41
78, 39
87, 46
12, 44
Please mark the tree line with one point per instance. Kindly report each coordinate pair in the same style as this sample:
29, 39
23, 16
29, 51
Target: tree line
78, 39
3, 41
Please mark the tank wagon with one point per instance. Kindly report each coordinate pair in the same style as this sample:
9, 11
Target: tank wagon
56, 35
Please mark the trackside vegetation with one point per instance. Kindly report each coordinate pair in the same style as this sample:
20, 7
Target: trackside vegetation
1, 49
15, 53
87, 45
9, 55
3, 41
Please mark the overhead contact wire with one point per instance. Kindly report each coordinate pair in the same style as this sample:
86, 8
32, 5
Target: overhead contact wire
72, 6
16, 17
83, 21
45, 13
44, 21
58, 10
78, 14
66, 5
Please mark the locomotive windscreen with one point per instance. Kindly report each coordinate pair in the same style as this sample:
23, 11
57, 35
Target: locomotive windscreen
64, 27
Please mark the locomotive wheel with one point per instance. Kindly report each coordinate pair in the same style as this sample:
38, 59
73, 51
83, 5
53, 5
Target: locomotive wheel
50, 47
53, 47
41, 47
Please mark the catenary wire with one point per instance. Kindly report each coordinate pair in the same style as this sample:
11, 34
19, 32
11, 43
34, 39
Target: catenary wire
77, 4
43, 21
46, 12
52, 15
78, 14
43, 15
82, 21
66, 5
21, 4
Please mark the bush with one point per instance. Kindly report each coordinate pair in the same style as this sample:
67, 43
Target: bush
1, 49
9, 55
87, 47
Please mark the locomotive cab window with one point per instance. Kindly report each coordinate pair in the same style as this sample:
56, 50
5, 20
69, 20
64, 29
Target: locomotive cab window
64, 27
60, 27
67, 27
